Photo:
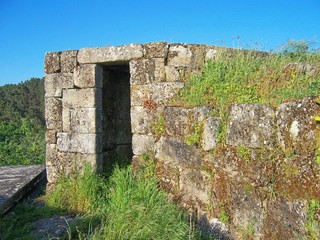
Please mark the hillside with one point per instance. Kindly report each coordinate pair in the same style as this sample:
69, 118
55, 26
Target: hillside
23, 100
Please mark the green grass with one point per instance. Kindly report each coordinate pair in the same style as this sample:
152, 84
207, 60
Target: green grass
120, 206
238, 76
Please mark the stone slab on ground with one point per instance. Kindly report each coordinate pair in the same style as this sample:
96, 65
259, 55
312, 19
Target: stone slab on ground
16, 182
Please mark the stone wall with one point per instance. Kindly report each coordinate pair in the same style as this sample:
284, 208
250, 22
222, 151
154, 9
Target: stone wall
249, 175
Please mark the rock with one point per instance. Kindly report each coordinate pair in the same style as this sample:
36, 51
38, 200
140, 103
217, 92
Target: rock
179, 56
156, 50
296, 125
123, 53
80, 143
82, 120
82, 98
182, 121
145, 71
52, 62
172, 74
51, 136
55, 82
211, 54
53, 227
210, 133
53, 113
142, 144
251, 125
175, 152
160, 93
68, 61
88, 76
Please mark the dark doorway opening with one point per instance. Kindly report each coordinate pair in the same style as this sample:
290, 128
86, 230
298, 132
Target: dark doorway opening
116, 124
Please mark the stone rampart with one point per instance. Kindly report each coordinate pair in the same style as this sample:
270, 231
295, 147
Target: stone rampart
258, 175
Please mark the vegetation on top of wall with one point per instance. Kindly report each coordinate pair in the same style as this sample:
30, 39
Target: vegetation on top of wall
239, 76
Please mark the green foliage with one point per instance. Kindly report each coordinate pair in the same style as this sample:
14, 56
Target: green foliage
224, 217
23, 100
158, 127
194, 138
244, 153
313, 217
138, 210
253, 77
86, 192
22, 143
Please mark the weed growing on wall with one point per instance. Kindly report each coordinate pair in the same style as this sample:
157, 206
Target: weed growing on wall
253, 77
313, 217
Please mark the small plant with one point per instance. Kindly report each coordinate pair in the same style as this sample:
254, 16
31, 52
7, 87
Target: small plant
194, 139
158, 127
313, 217
248, 231
224, 217
244, 153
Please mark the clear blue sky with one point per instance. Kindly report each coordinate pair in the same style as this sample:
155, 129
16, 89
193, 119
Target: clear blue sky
29, 28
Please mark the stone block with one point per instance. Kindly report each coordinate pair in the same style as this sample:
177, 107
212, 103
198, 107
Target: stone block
55, 82
68, 61
296, 125
211, 54
88, 76
156, 50
52, 62
145, 71
182, 121
179, 56
82, 98
251, 125
142, 119
80, 143
210, 132
123, 53
198, 55
51, 137
160, 93
53, 113
195, 187
172, 74
82, 120
142, 144
176, 152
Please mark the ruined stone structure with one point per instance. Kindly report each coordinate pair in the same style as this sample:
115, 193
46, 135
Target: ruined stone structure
102, 102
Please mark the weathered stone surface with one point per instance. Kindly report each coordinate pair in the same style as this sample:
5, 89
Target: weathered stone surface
52, 62
161, 93
296, 125
179, 56
80, 143
174, 151
172, 74
198, 55
211, 54
145, 71
251, 125
55, 82
82, 120
68, 61
82, 98
88, 76
285, 218
142, 119
16, 182
156, 50
142, 143
182, 121
195, 187
53, 113
122, 53
58, 163
210, 133
51, 136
